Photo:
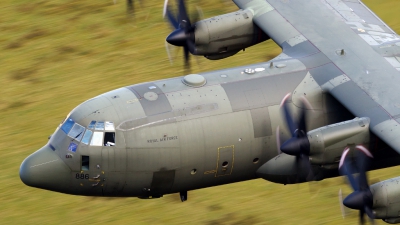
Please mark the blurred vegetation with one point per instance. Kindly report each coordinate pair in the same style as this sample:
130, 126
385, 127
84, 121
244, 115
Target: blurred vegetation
56, 54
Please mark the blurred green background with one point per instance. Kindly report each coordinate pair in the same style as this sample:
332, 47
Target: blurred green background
56, 54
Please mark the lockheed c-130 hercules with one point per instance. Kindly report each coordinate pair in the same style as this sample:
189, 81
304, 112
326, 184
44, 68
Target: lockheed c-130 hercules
340, 65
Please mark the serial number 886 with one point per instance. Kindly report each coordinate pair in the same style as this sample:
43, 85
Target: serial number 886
82, 176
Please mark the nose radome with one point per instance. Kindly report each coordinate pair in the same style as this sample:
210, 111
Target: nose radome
45, 169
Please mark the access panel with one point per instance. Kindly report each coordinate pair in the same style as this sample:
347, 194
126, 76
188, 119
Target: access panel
225, 160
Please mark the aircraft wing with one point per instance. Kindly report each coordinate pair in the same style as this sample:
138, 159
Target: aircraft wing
347, 49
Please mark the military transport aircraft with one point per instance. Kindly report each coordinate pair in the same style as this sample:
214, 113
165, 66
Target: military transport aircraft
340, 65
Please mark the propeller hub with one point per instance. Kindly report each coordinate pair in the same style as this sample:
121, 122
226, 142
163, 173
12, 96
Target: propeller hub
355, 200
178, 37
296, 146
358, 200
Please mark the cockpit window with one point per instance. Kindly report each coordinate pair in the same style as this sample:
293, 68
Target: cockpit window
109, 125
77, 132
97, 139
109, 139
86, 137
103, 134
99, 125
91, 125
66, 127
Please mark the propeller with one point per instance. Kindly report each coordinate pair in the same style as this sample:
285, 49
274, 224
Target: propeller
278, 140
298, 145
183, 35
361, 199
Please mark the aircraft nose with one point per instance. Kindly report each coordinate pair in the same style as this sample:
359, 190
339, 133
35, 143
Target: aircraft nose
45, 169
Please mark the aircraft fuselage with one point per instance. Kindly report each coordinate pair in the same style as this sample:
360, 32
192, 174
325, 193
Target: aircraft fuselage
178, 134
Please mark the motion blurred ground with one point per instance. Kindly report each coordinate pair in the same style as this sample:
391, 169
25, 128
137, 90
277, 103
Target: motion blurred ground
56, 54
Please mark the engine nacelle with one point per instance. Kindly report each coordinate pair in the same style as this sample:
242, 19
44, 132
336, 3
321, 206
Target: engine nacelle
225, 35
327, 143
386, 200
392, 220
326, 147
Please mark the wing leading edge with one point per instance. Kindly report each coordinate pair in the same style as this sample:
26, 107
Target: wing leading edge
348, 50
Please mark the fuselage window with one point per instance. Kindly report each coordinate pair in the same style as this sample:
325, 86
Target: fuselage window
99, 125
91, 125
66, 127
109, 139
97, 139
77, 132
86, 137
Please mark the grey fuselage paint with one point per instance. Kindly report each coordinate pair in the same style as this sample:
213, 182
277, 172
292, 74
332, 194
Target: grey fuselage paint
170, 137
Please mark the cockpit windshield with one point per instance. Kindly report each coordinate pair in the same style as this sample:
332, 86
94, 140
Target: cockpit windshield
77, 132
97, 139
91, 125
99, 125
97, 133
86, 137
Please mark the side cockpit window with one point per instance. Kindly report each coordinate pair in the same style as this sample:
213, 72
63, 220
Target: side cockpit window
67, 125
109, 139
109, 136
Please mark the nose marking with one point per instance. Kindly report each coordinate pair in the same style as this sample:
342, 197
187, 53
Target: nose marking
44, 163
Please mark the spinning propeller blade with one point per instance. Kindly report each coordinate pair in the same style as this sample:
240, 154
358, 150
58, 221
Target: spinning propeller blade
278, 140
342, 208
298, 145
361, 199
183, 35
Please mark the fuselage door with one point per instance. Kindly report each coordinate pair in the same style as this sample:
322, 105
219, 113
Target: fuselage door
114, 163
